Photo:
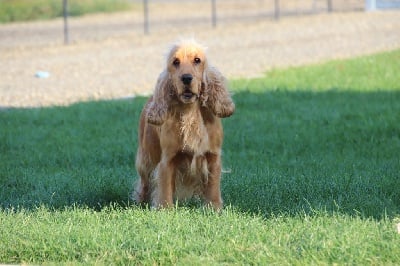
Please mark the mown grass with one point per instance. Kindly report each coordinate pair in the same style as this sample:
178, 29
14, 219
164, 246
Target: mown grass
135, 236
312, 154
25, 10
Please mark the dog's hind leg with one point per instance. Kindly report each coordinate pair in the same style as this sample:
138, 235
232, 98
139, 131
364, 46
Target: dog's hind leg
142, 190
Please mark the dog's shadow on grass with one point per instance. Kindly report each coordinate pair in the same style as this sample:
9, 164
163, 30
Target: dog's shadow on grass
284, 152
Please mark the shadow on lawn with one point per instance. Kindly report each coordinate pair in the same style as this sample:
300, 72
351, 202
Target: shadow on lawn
286, 152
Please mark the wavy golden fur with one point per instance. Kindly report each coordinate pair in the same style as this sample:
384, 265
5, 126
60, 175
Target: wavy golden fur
180, 131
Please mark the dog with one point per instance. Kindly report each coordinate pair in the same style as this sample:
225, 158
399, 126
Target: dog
180, 131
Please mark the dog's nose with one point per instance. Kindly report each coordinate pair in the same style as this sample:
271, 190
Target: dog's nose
186, 79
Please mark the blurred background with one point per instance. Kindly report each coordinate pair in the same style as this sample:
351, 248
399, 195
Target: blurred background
101, 49
158, 13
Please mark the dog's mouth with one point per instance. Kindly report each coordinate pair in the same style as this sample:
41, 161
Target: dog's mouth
188, 96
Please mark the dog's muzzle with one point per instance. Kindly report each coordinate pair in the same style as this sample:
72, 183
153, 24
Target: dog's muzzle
187, 95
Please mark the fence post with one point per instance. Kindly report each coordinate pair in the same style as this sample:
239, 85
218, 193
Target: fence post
329, 6
65, 14
146, 16
214, 13
277, 10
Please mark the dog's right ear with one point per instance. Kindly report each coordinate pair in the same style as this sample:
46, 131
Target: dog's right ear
158, 107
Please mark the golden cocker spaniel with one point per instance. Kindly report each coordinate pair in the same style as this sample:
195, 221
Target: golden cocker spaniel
180, 131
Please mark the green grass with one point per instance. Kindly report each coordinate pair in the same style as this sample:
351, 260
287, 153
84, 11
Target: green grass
25, 10
193, 237
314, 177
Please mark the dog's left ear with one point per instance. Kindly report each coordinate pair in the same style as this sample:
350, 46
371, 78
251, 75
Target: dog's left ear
215, 94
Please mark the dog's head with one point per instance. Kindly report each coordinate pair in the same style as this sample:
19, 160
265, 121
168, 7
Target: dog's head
189, 78
186, 64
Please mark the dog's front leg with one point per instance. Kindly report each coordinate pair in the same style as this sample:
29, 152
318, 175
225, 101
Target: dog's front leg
212, 191
165, 184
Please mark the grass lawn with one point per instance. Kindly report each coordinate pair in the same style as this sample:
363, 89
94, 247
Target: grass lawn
313, 177
25, 10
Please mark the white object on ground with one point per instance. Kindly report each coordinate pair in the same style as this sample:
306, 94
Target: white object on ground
42, 74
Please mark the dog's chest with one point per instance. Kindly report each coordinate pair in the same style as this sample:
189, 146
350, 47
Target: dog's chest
193, 134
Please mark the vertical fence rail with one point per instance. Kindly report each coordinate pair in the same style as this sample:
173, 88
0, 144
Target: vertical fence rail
329, 4
146, 16
65, 15
214, 13
276, 10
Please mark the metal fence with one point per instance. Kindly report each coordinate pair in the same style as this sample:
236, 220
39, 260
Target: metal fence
160, 13
217, 11
255, 9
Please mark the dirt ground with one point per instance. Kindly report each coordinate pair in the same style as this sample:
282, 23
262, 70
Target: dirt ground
109, 56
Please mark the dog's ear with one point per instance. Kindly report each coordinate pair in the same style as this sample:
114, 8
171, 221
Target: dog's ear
158, 107
215, 94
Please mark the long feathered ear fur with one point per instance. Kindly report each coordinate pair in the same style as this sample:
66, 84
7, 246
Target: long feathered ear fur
215, 93
158, 107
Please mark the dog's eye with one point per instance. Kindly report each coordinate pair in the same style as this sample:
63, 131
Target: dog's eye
197, 60
176, 62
